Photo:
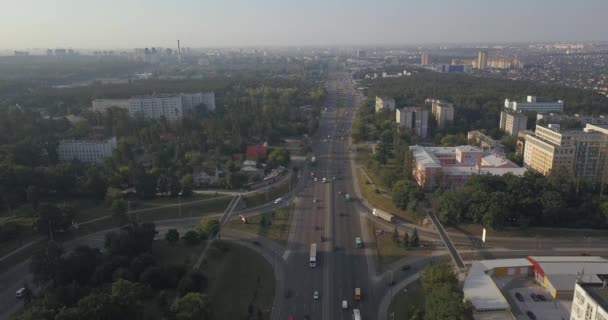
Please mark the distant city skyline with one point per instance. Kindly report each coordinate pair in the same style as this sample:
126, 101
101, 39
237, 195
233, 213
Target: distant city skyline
234, 23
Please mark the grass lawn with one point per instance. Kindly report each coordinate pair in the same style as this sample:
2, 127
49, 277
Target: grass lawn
278, 230
379, 200
237, 279
405, 303
389, 252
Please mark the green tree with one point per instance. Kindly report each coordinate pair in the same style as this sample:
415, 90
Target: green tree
445, 302
406, 240
192, 238
415, 241
172, 236
33, 196
436, 274
193, 306
186, 184
45, 264
208, 227
396, 236
119, 211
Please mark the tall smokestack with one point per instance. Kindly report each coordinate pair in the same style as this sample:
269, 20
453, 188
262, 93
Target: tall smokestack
179, 53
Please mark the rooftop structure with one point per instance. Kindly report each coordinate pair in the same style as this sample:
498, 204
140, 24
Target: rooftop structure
590, 301
535, 104
452, 167
558, 275
485, 142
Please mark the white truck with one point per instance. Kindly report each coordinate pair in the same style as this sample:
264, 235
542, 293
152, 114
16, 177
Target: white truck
313, 255
383, 215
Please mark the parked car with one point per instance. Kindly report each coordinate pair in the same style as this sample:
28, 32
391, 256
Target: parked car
519, 297
315, 295
533, 296
541, 297
531, 315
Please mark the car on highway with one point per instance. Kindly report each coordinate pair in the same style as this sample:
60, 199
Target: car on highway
315, 295
406, 267
344, 304
324, 180
519, 297
279, 200
531, 315
316, 179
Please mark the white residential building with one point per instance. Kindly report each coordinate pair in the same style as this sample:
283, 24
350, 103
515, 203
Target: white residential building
414, 119
535, 104
155, 107
385, 103
102, 105
443, 112
590, 302
512, 122
86, 150
171, 107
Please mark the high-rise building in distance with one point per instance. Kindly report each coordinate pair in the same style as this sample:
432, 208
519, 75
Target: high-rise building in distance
425, 59
482, 60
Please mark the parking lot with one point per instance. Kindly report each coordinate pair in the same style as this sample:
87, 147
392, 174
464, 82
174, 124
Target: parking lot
549, 309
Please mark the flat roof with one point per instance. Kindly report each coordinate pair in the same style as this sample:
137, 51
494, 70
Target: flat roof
598, 292
480, 289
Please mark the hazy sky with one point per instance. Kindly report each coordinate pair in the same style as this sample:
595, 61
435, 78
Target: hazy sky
206, 23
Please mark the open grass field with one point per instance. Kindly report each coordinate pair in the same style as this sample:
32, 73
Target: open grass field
277, 230
238, 279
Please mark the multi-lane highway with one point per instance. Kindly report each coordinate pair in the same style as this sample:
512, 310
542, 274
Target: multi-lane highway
323, 216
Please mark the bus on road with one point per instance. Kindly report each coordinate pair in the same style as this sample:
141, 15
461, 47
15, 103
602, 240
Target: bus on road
313, 255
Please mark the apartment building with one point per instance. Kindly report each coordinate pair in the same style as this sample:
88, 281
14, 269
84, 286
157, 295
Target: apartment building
384, 103
443, 112
580, 153
535, 104
512, 122
590, 301
86, 150
415, 119
577, 118
102, 105
169, 106
452, 167
425, 59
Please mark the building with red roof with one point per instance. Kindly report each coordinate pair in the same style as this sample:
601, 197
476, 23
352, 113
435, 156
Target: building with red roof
253, 152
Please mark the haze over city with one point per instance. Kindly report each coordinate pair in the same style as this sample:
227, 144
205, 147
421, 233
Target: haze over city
135, 23
300, 160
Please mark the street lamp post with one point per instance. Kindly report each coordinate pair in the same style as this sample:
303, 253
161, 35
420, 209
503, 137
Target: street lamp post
179, 203
588, 244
